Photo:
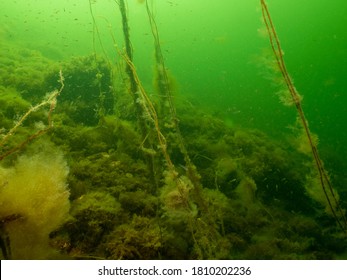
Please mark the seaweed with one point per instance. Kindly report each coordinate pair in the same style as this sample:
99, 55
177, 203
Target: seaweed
152, 178
292, 97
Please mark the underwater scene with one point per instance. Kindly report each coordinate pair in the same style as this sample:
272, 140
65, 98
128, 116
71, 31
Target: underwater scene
173, 129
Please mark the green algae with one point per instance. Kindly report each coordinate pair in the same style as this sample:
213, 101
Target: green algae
256, 196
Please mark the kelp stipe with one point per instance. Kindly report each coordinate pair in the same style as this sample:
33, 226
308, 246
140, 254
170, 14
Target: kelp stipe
138, 94
51, 101
323, 177
187, 188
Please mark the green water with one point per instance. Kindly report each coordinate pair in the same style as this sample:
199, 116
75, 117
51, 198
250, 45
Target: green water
212, 50
216, 52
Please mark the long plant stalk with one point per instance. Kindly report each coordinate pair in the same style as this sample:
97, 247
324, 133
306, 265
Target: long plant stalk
51, 101
127, 42
324, 179
135, 91
165, 87
165, 93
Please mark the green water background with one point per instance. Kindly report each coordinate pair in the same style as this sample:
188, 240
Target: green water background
213, 49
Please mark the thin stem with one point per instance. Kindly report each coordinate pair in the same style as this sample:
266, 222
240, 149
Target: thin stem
323, 177
51, 100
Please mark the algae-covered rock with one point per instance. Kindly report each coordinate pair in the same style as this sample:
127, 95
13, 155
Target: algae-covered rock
88, 94
229, 192
24, 69
95, 214
141, 238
